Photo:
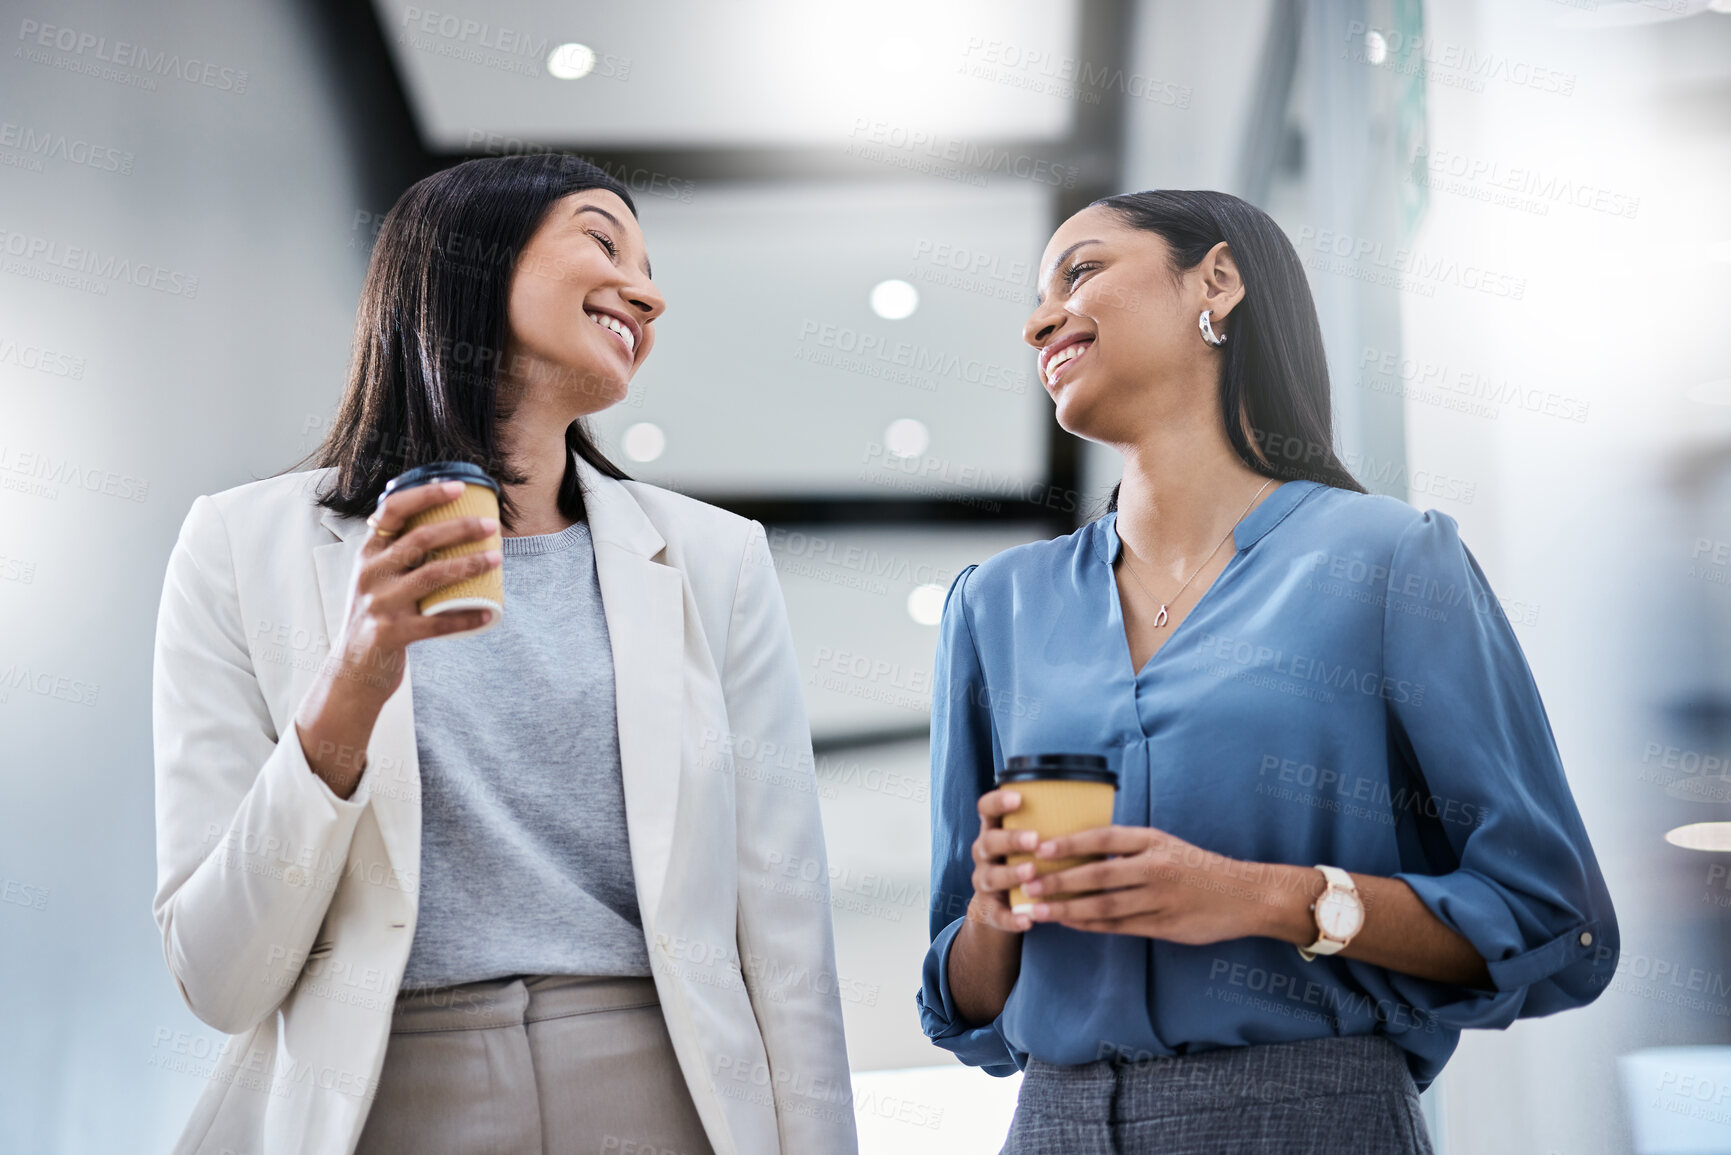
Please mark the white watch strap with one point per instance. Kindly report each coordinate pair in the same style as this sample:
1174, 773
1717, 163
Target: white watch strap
1336, 876
1340, 879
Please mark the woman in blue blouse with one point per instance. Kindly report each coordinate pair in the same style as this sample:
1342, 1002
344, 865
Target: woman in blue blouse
1338, 689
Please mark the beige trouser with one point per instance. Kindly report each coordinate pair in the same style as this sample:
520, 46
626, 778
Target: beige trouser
561, 1064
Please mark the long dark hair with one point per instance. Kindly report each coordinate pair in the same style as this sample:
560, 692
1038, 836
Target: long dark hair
431, 331
1274, 397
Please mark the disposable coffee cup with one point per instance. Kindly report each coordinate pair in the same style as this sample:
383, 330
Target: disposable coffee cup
1061, 794
480, 498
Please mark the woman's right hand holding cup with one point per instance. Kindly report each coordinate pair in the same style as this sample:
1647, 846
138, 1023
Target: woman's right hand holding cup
993, 877
367, 660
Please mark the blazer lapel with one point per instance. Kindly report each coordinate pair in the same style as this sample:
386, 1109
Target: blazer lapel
391, 751
643, 602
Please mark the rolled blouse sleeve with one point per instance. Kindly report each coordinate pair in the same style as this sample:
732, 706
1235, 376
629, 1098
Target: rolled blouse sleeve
964, 752
1528, 893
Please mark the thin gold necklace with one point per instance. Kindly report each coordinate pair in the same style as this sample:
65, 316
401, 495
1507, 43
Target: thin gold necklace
1160, 618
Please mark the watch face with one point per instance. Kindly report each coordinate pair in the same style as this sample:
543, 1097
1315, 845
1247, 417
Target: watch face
1339, 914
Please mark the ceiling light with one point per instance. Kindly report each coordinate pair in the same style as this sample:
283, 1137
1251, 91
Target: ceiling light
894, 300
1701, 836
643, 441
906, 437
571, 61
926, 604
1375, 47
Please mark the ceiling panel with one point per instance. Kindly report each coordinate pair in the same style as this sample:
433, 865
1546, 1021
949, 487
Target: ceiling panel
681, 73
771, 374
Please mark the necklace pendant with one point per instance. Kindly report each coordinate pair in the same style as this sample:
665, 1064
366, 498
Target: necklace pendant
1160, 618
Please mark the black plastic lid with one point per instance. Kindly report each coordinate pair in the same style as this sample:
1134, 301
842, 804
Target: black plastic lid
438, 471
1063, 767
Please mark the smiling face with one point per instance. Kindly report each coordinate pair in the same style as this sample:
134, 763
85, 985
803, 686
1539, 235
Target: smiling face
581, 305
1116, 328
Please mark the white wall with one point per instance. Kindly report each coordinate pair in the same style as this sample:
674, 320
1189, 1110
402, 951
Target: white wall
175, 395
1622, 312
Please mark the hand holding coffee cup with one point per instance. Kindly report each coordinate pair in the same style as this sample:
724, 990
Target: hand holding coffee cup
1061, 794
399, 564
992, 878
459, 590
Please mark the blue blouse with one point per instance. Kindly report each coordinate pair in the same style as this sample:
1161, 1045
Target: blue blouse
1348, 691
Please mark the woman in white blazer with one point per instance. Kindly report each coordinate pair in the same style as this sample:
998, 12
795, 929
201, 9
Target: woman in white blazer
506, 298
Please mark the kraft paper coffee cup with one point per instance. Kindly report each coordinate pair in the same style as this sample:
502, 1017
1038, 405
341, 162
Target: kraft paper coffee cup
480, 498
1061, 794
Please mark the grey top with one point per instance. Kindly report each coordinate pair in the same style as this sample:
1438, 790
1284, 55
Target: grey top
525, 868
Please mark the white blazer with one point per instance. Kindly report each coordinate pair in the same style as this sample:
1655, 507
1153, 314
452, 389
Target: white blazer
287, 913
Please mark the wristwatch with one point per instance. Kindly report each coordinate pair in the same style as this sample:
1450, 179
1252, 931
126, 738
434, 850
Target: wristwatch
1339, 914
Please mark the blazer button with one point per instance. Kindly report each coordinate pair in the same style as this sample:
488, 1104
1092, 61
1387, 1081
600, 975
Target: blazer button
295, 876
1586, 938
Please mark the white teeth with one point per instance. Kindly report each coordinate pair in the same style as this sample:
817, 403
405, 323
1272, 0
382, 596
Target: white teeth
617, 326
1066, 354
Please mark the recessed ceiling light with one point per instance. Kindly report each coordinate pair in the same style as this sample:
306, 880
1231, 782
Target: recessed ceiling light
644, 441
926, 604
571, 61
906, 437
1375, 47
894, 300
1701, 836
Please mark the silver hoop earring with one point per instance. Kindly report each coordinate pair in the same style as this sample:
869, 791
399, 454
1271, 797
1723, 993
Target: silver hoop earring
1208, 330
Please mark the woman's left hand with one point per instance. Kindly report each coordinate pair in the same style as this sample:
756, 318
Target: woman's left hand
1158, 886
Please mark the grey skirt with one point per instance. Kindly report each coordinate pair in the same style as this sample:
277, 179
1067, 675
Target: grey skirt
1329, 1096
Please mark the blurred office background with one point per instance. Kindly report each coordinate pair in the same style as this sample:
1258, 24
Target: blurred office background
1516, 215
